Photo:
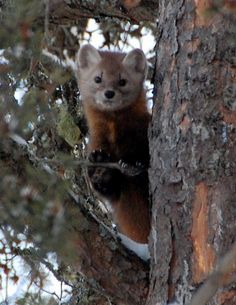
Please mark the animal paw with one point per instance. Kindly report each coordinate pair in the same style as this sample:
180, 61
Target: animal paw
131, 169
140, 165
99, 155
123, 164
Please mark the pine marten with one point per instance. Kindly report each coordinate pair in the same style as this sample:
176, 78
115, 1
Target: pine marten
113, 96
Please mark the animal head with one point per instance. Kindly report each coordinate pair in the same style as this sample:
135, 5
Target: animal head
110, 80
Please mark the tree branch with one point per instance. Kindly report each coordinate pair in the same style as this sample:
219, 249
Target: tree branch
89, 248
124, 168
62, 12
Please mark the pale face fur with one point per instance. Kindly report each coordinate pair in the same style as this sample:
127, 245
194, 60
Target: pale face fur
110, 81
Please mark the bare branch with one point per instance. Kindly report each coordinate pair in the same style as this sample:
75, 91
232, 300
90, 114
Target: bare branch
124, 168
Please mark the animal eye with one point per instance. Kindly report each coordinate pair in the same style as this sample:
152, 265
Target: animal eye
97, 79
122, 82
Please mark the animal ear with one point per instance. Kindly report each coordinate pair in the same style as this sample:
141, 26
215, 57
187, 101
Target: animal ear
88, 56
136, 61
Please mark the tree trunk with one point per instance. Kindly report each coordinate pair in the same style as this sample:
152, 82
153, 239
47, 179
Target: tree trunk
193, 149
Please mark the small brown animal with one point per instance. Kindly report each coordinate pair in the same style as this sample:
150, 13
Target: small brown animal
112, 91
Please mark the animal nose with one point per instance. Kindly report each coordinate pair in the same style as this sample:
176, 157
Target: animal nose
109, 94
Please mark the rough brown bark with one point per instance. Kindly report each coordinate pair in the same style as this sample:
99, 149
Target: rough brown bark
193, 149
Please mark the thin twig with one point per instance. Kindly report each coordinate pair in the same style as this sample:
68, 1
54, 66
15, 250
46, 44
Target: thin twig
124, 168
46, 20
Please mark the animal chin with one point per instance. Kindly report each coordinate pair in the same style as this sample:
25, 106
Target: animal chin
105, 103
99, 102
109, 104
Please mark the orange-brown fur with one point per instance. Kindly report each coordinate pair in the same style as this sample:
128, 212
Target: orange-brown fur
131, 211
